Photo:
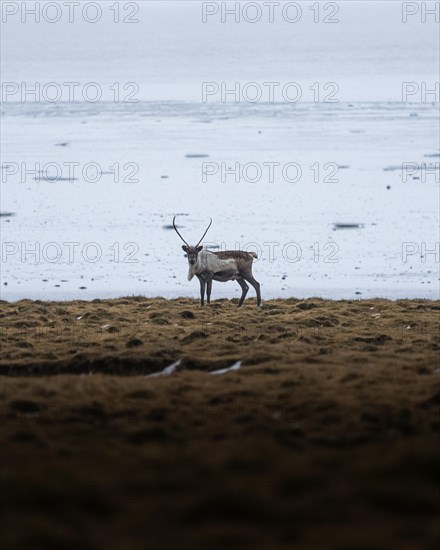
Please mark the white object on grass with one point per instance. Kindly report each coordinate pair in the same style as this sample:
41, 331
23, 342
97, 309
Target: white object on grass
167, 370
235, 366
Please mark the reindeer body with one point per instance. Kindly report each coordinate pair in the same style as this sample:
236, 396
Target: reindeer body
208, 262
230, 265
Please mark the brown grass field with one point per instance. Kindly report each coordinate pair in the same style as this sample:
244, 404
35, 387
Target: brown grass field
326, 438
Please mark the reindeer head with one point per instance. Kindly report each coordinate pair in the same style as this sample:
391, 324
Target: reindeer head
191, 251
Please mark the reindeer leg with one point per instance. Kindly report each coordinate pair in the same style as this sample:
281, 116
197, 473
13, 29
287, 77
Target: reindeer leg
202, 290
209, 288
244, 288
250, 279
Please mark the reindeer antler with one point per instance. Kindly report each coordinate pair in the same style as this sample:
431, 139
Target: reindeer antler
205, 232
174, 225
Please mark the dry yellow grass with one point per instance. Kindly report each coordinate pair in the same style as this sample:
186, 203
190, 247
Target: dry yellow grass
325, 438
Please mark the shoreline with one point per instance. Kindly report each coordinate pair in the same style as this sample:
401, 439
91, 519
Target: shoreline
90, 295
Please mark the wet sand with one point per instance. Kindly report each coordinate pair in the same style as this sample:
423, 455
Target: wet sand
326, 437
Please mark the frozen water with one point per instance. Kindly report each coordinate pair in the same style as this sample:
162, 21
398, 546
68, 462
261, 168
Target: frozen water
109, 238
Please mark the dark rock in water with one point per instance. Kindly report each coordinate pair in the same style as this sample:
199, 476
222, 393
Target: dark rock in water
401, 167
62, 144
348, 225
196, 156
54, 179
5, 283
388, 186
7, 214
357, 292
82, 287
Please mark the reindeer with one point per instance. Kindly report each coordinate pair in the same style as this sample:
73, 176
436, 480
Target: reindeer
231, 265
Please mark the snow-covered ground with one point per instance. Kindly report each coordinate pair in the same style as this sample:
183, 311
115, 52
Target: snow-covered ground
124, 169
